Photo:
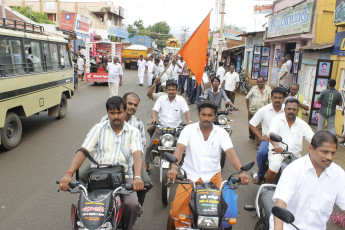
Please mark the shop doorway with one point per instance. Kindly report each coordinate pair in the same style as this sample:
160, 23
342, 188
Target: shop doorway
290, 49
309, 84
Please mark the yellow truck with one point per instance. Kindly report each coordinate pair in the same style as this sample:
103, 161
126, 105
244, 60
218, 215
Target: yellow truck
131, 55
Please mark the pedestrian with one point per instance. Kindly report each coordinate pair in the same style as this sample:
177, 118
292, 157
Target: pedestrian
150, 67
283, 73
221, 72
141, 70
80, 66
230, 83
185, 76
78, 51
180, 63
289, 65
294, 94
258, 96
175, 70
114, 70
328, 99
192, 96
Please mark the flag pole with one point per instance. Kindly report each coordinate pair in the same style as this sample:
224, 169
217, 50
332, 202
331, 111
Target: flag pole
184, 44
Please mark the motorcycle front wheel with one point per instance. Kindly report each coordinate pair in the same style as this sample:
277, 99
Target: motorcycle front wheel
165, 187
260, 225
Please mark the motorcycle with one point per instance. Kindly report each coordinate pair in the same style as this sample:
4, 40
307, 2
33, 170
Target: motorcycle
243, 85
223, 122
166, 143
285, 215
263, 199
210, 210
100, 208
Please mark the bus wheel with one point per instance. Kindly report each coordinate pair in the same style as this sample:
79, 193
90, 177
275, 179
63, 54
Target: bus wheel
63, 107
12, 131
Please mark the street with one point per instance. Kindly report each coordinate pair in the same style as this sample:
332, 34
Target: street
28, 197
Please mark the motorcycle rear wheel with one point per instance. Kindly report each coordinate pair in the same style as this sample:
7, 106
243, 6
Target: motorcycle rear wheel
260, 225
165, 187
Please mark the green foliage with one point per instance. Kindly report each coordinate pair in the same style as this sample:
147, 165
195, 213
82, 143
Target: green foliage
160, 27
33, 15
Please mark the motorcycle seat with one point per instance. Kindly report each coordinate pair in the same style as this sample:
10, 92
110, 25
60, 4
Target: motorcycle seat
266, 203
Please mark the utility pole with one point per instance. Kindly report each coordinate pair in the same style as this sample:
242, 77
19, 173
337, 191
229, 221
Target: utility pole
3, 9
221, 32
184, 34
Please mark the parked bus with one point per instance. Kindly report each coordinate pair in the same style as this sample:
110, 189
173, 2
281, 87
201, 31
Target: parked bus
99, 53
36, 74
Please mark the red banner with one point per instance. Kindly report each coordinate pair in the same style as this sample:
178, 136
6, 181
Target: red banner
67, 21
96, 77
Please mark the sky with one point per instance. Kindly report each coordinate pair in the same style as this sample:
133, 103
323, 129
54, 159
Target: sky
190, 13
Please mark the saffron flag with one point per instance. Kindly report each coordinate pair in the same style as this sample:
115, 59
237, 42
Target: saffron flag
195, 50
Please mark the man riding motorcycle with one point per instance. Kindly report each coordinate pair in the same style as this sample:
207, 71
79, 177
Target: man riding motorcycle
103, 141
201, 142
215, 94
169, 108
292, 130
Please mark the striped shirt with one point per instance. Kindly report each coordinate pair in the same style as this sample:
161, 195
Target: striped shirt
258, 99
329, 98
136, 123
109, 148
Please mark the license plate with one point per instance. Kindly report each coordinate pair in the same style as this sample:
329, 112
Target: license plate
224, 126
166, 148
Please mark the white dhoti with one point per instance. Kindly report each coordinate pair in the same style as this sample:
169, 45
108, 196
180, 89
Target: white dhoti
149, 78
141, 76
113, 89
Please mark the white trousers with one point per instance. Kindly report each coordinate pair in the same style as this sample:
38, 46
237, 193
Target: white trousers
149, 78
114, 89
275, 160
141, 76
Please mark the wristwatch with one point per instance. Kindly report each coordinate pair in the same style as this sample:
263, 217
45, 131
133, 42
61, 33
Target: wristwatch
137, 177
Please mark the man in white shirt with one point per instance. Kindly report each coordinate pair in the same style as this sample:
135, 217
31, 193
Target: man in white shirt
80, 66
169, 107
221, 72
230, 83
141, 70
264, 116
202, 143
289, 65
180, 63
167, 74
292, 130
115, 73
150, 68
311, 185
283, 73
175, 71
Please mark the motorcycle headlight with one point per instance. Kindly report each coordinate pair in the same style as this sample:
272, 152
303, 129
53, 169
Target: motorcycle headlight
167, 140
208, 222
222, 120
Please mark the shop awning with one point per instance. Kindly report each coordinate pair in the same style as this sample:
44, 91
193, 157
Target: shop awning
236, 50
316, 46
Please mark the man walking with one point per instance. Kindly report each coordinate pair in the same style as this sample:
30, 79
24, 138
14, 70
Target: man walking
328, 99
150, 67
141, 70
258, 96
114, 70
289, 65
283, 73
230, 83
221, 72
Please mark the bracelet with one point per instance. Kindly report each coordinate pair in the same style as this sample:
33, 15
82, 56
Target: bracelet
70, 173
137, 177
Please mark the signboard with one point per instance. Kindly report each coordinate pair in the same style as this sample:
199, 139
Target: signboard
232, 33
339, 14
82, 24
339, 44
295, 21
67, 21
118, 32
263, 9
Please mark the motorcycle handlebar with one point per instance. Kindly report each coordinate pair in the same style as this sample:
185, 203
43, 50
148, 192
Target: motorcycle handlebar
147, 186
235, 180
180, 177
284, 152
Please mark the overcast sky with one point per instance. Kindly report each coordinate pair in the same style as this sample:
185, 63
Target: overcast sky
190, 13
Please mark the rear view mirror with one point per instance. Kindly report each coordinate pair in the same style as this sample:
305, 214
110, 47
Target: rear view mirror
248, 166
170, 157
276, 138
283, 214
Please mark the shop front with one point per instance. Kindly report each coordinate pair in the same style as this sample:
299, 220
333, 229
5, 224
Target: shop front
234, 56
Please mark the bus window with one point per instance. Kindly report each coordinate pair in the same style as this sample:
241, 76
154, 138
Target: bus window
33, 56
51, 56
5, 59
17, 54
64, 57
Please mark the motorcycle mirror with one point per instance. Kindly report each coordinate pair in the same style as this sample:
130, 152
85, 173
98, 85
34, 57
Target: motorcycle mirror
283, 214
276, 138
248, 166
170, 157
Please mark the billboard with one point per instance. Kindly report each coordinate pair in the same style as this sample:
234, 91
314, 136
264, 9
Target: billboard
67, 21
339, 14
232, 33
339, 44
82, 24
294, 21
263, 9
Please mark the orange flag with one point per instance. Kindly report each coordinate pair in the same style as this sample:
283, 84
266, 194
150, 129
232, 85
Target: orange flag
195, 50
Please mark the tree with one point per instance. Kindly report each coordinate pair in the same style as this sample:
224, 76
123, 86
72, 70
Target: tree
33, 15
160, 27
136, 28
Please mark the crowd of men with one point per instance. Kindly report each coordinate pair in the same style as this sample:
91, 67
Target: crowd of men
313, 177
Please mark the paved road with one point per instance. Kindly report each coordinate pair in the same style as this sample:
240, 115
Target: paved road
28, 197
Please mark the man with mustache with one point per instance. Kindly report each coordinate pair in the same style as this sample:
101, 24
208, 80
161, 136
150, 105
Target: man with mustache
292, 130
264, 117
169, 107
310, 186
104, 143
202, 143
